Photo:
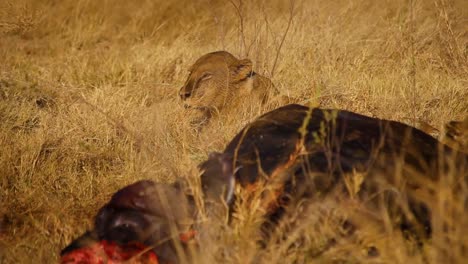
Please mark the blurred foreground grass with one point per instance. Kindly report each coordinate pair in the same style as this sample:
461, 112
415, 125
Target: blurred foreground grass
88, 97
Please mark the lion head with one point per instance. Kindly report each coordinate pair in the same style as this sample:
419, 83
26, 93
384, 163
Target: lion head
219, 80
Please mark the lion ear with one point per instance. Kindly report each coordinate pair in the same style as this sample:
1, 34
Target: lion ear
241, 70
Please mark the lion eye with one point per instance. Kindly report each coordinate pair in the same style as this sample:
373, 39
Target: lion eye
206, 76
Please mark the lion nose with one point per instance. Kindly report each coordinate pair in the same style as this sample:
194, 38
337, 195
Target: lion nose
184, 95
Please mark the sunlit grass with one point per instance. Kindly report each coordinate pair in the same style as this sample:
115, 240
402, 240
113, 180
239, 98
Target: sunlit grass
88, 104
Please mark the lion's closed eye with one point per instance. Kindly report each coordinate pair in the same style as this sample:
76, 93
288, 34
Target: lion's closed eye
206, 76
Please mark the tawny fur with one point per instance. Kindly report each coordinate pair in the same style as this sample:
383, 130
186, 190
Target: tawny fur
219, 82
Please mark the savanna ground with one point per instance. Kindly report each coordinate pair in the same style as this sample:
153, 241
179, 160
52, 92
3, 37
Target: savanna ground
88, 100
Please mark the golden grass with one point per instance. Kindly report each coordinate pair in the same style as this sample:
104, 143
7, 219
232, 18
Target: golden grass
88, 102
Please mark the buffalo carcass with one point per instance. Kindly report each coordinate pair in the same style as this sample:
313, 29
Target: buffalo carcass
142, 217
296, 153
289, 154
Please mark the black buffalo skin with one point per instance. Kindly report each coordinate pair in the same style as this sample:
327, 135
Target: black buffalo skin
154, 214
335, 143
311, 150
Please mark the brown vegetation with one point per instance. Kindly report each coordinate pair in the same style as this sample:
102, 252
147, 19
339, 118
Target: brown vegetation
456, 134
89, 103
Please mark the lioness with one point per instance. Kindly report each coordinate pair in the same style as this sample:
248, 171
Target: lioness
219, 81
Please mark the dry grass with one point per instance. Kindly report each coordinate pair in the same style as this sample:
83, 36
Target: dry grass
88, 101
